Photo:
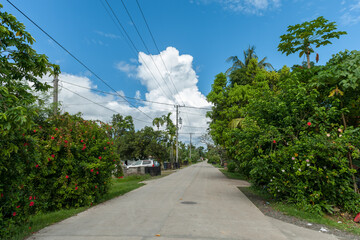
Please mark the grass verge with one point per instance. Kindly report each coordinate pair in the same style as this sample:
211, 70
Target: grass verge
233, 175
341, 222
41, 220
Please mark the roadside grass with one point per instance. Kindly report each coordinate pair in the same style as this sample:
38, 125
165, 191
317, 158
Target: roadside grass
233, 175
119, 186
331, 221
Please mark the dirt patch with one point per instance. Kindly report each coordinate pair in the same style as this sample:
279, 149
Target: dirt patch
265, 207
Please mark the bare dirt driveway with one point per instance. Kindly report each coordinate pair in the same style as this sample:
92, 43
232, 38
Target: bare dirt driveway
197, 202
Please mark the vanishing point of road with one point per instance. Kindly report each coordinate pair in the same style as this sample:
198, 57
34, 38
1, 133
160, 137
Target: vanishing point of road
197, 202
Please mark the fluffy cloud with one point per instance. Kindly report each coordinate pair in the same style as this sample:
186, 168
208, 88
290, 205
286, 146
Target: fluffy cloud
174, 84
246, 6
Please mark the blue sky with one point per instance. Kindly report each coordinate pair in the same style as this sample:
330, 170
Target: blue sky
194, 36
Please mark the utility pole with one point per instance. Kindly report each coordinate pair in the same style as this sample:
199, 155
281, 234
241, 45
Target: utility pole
177, 135
190, 145
56, 94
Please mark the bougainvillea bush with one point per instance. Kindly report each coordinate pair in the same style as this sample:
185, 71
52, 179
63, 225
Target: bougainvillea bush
77, 162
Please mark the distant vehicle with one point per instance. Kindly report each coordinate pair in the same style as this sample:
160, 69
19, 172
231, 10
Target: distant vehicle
144, 163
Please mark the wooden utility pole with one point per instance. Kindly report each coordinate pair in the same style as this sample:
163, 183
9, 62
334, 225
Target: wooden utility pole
56, 94
177, 136
190, 145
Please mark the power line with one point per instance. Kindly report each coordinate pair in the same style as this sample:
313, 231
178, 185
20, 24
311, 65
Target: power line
133, 45
78, 60
147, 49
137, 99
157, 48
101, 105
96, 90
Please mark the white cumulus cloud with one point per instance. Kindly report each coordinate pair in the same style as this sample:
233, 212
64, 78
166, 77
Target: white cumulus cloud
173, 84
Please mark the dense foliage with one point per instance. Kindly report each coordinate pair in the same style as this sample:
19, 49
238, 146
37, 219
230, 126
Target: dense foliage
294, 133
45, 163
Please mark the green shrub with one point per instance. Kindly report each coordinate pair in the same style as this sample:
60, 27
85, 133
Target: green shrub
231, 166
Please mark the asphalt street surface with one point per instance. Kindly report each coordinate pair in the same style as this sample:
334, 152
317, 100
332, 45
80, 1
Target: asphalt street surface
197, 202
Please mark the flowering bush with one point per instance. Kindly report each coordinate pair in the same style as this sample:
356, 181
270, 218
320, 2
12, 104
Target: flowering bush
66, 162
76, 165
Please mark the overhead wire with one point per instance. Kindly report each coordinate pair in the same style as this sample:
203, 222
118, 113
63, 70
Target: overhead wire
146, 47
157, 48
137, 99
101, 105
136, 49
73, 56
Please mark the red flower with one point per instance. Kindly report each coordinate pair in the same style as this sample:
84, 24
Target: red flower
95, 186
104, 148
17, 206
67, 176
65, 141
34, 197
100, 157
25, 144
83, 148
34, 131
121, 177
108, 142
91, 170
82, 141
76, 188
56, 129
93, 137
97, 172
14, 214
52, 137
49, 159
114, 160
37, 165
23, 134
31, 204
274, 141
40, 127
29, 227
309, 123
30, 197
52, 155
75, 184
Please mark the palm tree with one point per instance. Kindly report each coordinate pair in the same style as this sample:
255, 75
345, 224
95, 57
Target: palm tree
248, 55
159, 121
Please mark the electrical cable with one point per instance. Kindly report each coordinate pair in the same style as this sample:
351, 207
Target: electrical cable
137, 51
146, 47
101, 105
78, 60
137, 99
157, 48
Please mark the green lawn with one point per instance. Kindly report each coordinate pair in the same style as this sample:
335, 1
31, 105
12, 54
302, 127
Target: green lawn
41, 220
289, 209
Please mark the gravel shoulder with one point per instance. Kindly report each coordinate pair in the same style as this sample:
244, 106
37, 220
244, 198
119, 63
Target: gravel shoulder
266, 208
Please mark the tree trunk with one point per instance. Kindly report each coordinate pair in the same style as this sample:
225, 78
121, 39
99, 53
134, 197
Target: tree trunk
349, 156
308, 57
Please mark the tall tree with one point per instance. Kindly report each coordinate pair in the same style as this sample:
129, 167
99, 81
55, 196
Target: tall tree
303, 37
248, 55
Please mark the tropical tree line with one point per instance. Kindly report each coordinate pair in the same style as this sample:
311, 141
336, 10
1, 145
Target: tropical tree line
148, 142
294, 132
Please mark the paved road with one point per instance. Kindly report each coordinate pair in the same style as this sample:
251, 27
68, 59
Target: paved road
197, 202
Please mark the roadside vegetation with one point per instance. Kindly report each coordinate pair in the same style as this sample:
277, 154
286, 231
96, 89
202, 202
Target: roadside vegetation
268, 204
52, 164
294, 132
117, 187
